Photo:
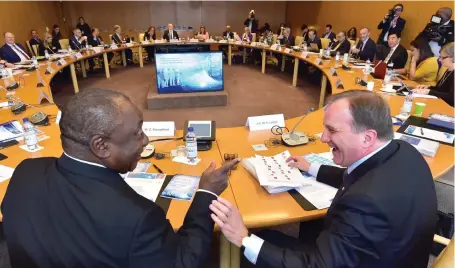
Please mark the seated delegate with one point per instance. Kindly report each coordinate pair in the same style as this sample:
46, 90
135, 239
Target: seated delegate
202, 34
423, 67
11, 51
119, 40
395, 54
340, 44
149, 36
369, 223
47, 45
366, 47
77, 211
170, 33
445, 86
287, 39
314, 39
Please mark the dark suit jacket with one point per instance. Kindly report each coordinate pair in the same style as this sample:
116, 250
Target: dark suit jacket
316, 41
166, 34
51, 50
444, 88
289, 41
399, 27
147, 36
331, 36
8, 54
85, 29
65, 213
116, 39
254, 24
345, 47
446, 34
383, 215
75, 45
368, 52
399, 57
94, 41
231, 35
33, 42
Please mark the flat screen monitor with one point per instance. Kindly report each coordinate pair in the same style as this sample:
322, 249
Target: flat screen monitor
189, 72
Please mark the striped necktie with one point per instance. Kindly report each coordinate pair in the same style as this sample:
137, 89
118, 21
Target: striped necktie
22, 52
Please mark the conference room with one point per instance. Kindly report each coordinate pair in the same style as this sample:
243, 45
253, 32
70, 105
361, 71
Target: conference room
227, 134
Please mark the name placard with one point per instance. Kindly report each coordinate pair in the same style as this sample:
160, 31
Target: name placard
159, 129
265, 122
78, 55
253, 44
275, 47
97, 49
287, 50
238, 42
129, 44
305, 55
61, 62
222, 41
114, 46
339, 84
333, 72
318, 61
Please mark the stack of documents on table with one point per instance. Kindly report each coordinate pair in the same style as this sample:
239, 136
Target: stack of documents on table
424, 146
146, 184
10, 130
274, 174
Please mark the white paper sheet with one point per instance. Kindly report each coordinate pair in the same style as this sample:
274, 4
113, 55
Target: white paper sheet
5, 172
147, 185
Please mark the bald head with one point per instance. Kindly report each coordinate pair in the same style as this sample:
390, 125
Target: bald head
445, 13
364, 34
9, 38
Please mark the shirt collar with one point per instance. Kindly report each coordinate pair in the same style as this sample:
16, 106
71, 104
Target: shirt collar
395, 47
446, 23
83, 161
365, 158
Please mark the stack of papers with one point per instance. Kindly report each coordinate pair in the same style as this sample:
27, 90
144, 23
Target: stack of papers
146, 184
274, 174
10, 130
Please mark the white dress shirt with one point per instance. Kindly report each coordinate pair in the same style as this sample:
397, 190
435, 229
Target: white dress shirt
364, 43
254, 243
122, 175
18, 51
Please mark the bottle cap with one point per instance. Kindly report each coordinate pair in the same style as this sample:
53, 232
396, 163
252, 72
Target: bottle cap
190, 129
25, 119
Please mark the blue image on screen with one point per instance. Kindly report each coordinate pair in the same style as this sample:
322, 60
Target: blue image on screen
189, 72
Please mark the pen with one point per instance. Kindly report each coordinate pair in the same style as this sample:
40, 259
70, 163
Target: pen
157, 168
421, 131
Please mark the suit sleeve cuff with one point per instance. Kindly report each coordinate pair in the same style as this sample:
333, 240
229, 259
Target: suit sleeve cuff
202, 190
253, 245
314, 169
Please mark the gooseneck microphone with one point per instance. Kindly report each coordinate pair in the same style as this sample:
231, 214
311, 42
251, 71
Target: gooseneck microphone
295, 138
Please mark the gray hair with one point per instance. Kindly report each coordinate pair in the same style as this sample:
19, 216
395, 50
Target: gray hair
91, 112
368, 111
448, 49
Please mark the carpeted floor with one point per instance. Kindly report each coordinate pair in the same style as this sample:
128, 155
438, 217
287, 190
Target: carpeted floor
250, 93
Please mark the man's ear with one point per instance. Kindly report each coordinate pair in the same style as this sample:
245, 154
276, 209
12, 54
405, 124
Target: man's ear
370, 137
99, 147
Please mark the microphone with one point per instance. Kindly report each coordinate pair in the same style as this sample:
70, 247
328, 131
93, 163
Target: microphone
295, 138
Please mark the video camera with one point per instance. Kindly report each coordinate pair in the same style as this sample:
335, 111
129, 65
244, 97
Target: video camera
391, 13
435, 29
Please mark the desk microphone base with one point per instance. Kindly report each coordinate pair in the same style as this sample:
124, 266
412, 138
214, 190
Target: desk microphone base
294, 139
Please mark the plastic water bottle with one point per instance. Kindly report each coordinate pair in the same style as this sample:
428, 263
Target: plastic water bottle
327, 52
305, 46
3, 72
388, 75
407, 104
191, 145
337, 56
345, 58
46, 54
35, 62
30, 138
70, 50
368, 67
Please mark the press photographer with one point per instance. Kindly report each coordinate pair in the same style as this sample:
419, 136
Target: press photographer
251, 22
440, 30
392, 23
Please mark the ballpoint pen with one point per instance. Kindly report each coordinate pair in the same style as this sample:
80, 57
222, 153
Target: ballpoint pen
157, 168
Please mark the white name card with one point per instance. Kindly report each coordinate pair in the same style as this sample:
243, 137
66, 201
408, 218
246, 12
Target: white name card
62, 62
318, 61
253, 44
159, 129
275, 47
159, 41
223, 41
265, 122
114, 46
304, 55
238, 42
129, 44
97, 49
78, 55
287, 50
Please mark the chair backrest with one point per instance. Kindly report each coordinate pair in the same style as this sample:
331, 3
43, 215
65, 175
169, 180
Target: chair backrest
275, 37
35, 50
446, 258
408, 61
441, 72
254, 37
298, 40
110, 38
325, 43
64, 43
352, 42
141, 37
29, 47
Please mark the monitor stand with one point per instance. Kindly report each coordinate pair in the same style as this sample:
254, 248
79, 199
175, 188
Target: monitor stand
204, 145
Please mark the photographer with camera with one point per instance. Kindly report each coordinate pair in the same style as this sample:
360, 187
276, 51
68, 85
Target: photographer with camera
392, 23
251, 22
440, 30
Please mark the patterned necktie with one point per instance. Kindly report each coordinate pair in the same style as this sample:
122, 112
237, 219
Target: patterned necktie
22, 52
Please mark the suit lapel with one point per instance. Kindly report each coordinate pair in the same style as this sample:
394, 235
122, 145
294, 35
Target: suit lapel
371, 163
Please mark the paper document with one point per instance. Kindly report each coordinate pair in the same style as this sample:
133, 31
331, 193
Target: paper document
318, 194
142, 167
5, 172
322, 159
424, 96
185, 160
181, 187
147, 185
430, 134
10, 130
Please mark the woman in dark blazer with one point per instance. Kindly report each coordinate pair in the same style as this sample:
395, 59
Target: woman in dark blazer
48, 45
148, 36
444, 87
83, 26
